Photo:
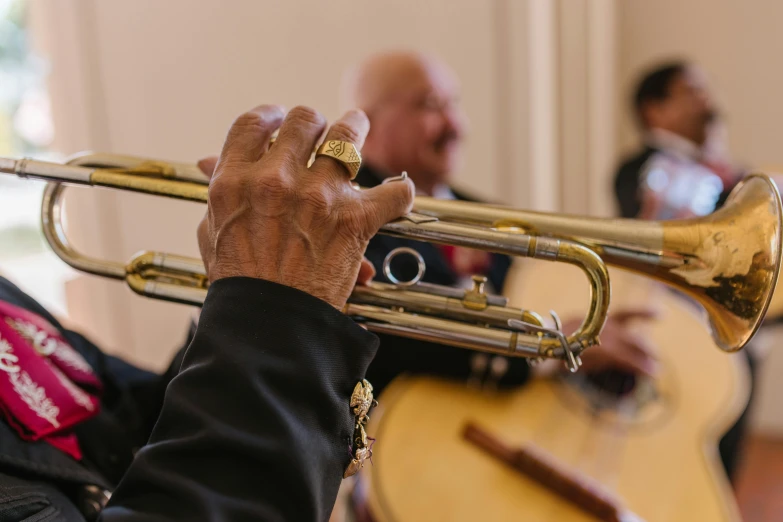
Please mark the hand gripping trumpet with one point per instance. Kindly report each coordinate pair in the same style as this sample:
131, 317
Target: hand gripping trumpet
728, 261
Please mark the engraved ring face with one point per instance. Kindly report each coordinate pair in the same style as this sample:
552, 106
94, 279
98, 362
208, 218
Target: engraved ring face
344, 152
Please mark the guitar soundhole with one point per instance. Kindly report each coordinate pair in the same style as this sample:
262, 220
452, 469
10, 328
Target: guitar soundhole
616, 397
612, 383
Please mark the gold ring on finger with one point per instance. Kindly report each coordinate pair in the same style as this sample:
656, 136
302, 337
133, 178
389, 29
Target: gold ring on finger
344, 152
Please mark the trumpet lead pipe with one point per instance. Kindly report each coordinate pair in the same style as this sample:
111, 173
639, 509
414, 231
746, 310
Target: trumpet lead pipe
28, 168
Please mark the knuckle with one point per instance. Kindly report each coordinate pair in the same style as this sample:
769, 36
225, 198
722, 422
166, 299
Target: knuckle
319, 201
275, 185
306, 115
343, 131
250, 121
220, 189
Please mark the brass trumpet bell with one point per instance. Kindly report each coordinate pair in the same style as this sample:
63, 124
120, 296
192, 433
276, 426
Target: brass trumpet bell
728, 261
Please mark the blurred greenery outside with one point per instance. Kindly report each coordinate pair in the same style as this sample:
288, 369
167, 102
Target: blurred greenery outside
25, 130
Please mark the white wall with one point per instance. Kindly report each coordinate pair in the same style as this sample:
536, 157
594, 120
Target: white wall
739, 45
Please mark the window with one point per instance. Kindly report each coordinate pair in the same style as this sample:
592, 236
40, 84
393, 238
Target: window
26, 129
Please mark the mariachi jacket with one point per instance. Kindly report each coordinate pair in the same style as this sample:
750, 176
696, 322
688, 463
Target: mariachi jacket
251, 422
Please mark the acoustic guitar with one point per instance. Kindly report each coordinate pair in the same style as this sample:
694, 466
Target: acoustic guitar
650, 444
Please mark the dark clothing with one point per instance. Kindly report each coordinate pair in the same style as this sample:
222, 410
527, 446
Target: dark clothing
35, 499
626, 184
398, 355
438, 270
129, 407
255, 426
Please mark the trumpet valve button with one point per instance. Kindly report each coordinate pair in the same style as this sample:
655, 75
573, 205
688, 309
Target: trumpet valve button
479, 282
476, 297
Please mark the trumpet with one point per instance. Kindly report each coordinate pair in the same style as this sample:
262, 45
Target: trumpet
728, 261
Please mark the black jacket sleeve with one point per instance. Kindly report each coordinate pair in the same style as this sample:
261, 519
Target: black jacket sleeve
257, 424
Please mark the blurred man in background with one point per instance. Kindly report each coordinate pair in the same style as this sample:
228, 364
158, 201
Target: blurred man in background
682, 171
418, 126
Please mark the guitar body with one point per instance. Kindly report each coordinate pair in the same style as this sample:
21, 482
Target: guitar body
661, 460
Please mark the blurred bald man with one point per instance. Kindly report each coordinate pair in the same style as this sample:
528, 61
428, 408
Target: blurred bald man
418, 126
417, 123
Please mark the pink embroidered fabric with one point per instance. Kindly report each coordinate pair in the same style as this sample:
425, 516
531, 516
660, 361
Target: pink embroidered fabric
46, 387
